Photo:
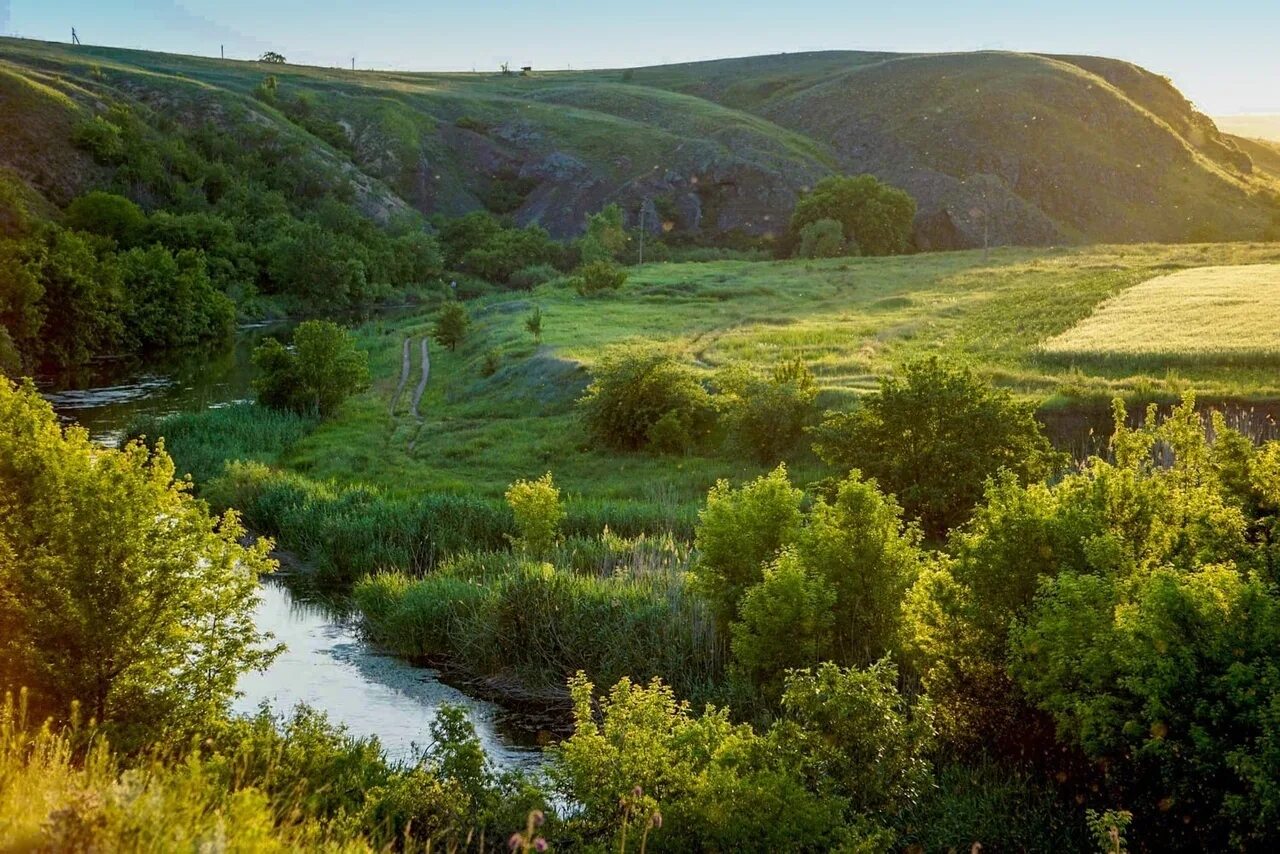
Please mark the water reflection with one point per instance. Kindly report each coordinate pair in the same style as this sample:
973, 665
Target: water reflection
329, 667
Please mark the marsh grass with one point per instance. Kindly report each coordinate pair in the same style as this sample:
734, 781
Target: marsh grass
611, 608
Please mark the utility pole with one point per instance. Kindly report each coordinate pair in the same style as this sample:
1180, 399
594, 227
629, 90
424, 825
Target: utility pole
353, 63
75, 39
222, 51
642, 205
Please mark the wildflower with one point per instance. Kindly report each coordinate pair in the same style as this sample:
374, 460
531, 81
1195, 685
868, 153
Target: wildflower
539, 844
515, 841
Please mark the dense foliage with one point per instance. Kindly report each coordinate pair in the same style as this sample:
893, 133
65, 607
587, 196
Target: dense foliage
875, 218
117, 588
319, 371
641, 395
932, 436
766, 416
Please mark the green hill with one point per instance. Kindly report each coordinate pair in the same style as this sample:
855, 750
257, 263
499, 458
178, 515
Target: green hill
1013, 148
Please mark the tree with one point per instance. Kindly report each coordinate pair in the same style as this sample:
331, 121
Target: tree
874, 217
117, 588
451, 325
739, 532
606, 237
272, 57
170, 301
533, 323
932, 437
320, 371
635, 387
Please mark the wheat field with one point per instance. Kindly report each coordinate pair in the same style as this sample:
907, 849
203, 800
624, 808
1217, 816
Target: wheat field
1203, 315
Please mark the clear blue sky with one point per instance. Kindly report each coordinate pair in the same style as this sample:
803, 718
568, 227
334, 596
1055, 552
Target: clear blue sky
1224, 55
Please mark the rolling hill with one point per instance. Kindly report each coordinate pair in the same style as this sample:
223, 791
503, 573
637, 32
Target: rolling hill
1011, 148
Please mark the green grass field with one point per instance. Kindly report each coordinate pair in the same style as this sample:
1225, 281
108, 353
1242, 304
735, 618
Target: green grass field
1193, 317
852, 320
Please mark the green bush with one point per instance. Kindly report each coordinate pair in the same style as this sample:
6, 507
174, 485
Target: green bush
933, 436
102, 139
535, 504
320, 371
606, 238
632, 388
597, 277
766, 416
874, 217
108, 215
450, 326
528, 278
824, 238
739, 532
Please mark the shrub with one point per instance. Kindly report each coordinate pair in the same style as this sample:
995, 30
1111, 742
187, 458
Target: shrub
823, 238
606, 237
597, 277
171, 301
450, 327
873, 216
739, 532
319, 372
533, 323
538, 513
786, 622
108, 215
528, 278
932, 437
633, 386
121, 592
102, 139
765, 417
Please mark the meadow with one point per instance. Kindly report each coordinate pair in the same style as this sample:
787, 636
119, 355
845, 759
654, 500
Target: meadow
852, 320
1202, 316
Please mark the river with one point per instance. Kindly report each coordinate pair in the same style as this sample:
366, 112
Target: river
327, 665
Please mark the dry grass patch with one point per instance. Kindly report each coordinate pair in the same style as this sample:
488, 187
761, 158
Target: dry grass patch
1207, 315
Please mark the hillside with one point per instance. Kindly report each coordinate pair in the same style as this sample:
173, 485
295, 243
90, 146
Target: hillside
1030, 149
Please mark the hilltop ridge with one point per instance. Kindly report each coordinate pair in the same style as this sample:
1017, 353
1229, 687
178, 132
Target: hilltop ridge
1006, 147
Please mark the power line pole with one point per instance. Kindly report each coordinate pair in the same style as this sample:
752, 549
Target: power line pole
222, 51
75, 39
642, 206
353, 63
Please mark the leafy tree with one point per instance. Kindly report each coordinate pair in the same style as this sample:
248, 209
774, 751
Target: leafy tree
117, 588
82, 290
320, 371
858, 545
739, 532
785, 622
170, 300
451, 324
538, 513
874, 217
272, 57
634, 386
856, 737
305, 260
717, 786
533, 323
597, 277
765, 417
606, 237
108, 215
21, 308
824, 238
932, 437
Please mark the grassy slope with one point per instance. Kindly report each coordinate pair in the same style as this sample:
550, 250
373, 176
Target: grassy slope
1085, 148
851, 319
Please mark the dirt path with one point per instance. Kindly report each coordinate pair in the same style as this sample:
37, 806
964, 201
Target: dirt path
422, 384
404, 378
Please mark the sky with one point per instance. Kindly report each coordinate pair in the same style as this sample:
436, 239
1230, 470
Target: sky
1224, 55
